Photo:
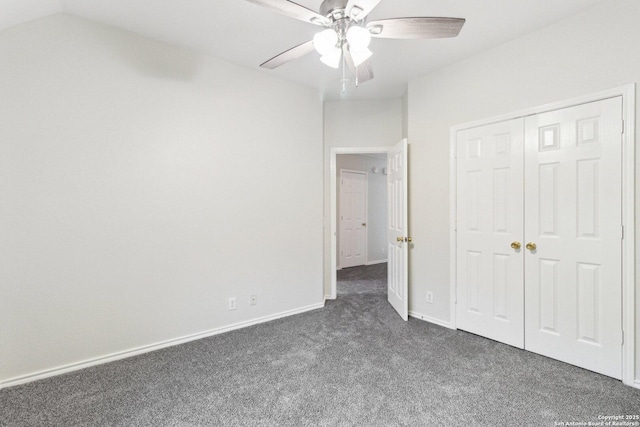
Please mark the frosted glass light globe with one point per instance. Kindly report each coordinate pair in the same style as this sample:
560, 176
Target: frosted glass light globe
325, 41
332, 57
358, 38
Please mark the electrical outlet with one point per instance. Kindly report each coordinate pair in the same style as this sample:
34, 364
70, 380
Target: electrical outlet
232, 303
253, 299
430, 297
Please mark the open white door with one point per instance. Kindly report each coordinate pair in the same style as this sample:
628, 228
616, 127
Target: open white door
397, 236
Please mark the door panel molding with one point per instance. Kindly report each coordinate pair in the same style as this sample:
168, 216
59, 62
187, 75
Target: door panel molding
627, 129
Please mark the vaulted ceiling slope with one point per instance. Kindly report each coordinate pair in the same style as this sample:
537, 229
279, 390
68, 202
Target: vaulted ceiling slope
245, 34
14, 12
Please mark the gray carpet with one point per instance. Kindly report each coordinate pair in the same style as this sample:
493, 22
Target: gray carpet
353, 363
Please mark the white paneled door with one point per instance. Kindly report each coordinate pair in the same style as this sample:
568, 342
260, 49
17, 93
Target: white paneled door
539, 234
398, 237
489, 231
573, 186
353, 218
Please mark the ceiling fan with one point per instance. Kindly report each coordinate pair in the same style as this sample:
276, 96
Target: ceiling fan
345, 40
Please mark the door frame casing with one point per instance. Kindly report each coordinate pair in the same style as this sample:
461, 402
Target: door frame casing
366, 209
334, 204
627, 93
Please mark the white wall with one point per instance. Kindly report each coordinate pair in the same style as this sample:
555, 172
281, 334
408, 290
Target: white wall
405, 115
376, 202
141, 186
366, 123
377, 210
592, 51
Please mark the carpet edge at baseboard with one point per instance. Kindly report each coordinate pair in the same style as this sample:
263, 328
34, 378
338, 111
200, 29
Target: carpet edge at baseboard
52, 372
430, 319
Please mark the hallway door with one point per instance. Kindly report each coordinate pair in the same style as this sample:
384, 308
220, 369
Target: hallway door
353, 218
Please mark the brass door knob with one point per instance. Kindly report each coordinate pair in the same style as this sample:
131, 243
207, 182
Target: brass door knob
531, 246
516, 245
408, 239
399, 239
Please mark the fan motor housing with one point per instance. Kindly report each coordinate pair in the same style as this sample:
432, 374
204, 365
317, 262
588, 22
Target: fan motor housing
329, 6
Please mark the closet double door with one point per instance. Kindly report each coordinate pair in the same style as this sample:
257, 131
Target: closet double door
539, 234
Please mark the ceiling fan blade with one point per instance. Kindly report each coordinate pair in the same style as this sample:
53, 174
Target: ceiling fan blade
359, 9
293, 10
363, 72
289, 55
415, 28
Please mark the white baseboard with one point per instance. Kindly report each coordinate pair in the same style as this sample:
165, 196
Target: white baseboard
380, 261
149, 348
431, 320
636, 384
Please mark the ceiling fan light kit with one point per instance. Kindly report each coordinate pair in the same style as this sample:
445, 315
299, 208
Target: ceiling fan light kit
332, 58
347, 35
358, 37
325, 41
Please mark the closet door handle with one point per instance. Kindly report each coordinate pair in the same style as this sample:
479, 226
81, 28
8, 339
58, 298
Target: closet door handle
531, 246
516, 245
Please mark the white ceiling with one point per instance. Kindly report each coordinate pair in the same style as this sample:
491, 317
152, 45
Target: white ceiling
14, 12
246, 34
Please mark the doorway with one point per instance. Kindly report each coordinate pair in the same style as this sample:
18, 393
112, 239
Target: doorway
396, 239
362, 160
361, 211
